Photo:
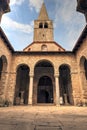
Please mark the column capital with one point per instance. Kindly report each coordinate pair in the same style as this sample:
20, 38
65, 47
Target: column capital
82, 71
31, 74
56, 75
74, 72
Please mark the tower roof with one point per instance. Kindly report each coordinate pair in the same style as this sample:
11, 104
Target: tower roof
43, 15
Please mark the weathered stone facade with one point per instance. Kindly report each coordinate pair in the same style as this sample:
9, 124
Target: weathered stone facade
44, 72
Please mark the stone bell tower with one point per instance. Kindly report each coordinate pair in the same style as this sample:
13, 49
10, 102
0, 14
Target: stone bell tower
4, 7
43, 26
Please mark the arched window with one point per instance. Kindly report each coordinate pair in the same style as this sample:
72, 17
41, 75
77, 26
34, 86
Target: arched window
40, 25
85, 67
44, 47
46, 25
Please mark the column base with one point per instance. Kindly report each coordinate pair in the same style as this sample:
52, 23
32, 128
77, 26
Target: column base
57, 105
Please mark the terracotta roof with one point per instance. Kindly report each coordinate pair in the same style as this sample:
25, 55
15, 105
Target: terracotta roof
38, 42
80, 40
6, 41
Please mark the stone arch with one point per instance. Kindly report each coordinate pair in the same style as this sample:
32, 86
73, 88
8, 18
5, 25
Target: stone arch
21, 65
42, 68
83, 76
40, 25
44, 60
22, 85
3, 72
65, 84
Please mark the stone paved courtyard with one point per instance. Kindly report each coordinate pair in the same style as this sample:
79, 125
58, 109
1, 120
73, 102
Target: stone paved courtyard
43, 118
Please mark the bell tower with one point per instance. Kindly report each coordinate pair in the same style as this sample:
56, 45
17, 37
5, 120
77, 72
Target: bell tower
43, 39
43, 26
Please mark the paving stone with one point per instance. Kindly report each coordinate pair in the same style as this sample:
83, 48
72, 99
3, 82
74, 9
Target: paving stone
43, 118
47, 128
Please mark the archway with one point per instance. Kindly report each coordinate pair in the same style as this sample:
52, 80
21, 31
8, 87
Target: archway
65, 85
3, 70
45, 90
43, 82
1, 67
83, 66
83, 75
22, 85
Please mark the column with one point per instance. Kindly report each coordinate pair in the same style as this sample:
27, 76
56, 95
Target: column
57, 90
30, 101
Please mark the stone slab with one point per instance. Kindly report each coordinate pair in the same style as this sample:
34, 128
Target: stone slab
48, 128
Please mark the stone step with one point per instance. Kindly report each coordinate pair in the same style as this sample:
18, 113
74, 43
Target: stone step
44, 104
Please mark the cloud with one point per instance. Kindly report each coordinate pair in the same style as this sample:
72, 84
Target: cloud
17, 2
72, 22
13, 25
35, 4
66, 12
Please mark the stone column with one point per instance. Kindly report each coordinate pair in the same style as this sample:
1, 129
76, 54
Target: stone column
76, 94
30, 101
57, 90
22, 98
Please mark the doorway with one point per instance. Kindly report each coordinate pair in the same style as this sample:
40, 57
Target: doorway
45, 90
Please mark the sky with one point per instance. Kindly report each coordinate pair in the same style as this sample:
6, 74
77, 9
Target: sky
18, 24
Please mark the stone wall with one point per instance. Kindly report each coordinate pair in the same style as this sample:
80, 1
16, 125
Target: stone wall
56, 60
82, 52
4, 51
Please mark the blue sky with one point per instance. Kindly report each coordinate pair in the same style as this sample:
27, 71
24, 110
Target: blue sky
18, 24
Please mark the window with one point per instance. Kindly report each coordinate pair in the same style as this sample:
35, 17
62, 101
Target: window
29, 49
46, 25
40, 25
44, 47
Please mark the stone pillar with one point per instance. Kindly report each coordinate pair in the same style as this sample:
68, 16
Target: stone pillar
65, 99
30, 101
57, 90
10, 86
22, 98
76, 94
